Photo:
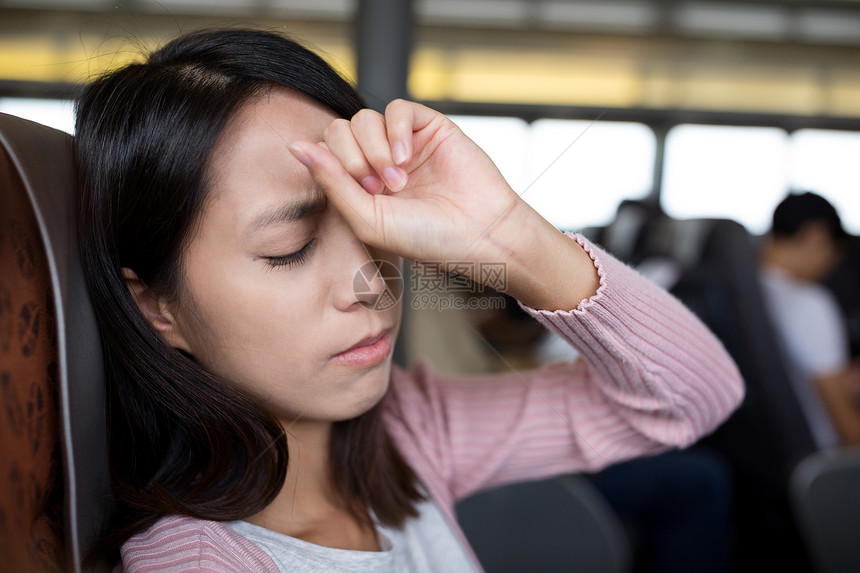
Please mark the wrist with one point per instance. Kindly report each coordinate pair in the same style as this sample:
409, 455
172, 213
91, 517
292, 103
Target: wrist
545, 269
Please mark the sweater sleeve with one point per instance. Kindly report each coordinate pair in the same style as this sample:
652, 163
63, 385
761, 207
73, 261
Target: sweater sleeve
651, 377
177, 544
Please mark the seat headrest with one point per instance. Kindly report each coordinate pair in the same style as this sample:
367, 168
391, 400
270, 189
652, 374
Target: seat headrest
44, 161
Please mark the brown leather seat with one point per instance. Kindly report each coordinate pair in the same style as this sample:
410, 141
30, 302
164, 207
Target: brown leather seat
53, 472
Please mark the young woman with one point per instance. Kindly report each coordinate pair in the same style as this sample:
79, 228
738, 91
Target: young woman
231, 187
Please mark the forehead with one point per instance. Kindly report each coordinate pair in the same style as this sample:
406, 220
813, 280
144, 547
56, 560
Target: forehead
291, 113
251, 167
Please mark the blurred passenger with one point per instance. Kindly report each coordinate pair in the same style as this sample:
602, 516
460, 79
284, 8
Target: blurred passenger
803, 247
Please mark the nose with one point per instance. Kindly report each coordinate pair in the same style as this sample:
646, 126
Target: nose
368, 284
357, 279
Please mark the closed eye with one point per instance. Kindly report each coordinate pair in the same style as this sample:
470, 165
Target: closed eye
293, 259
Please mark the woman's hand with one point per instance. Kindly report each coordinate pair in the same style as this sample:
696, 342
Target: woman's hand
411, 183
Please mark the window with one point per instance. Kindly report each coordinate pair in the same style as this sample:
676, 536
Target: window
825, 162
574, 173
55, 113
738, 173
504, 139
579, 171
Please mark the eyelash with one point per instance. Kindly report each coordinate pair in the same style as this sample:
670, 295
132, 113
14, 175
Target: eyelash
293, 259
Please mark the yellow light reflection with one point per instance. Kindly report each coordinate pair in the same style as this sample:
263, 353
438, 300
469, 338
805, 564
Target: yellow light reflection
534, 76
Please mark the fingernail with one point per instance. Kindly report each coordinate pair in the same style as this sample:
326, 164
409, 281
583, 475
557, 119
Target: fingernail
394, 177
300, 154
371, 184
398, 150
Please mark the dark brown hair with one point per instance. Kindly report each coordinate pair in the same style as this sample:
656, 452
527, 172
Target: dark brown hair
180, 440
798, 209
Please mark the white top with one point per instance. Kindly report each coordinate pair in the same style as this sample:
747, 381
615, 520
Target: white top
424, 544
814, 340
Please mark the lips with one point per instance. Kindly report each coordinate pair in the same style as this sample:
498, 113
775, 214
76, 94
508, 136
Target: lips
369, 351
367, 340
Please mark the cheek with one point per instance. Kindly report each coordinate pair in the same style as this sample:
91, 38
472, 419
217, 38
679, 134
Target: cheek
272, 334
251, 327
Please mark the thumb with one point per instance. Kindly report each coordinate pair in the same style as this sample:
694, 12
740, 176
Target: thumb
354, 204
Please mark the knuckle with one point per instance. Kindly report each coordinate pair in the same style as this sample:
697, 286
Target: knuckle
396, 104
380, 157
364, 115
336, 128
355, 165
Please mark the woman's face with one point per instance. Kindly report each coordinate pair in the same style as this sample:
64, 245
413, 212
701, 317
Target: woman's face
270, 274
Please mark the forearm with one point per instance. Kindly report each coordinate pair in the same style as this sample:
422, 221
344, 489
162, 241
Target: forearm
654, 358
545, 269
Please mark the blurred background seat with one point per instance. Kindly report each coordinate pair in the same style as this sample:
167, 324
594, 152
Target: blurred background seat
825, 491
553, 525
53, 464
844, 282
768, 434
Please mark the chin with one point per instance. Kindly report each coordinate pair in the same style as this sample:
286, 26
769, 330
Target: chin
370, 391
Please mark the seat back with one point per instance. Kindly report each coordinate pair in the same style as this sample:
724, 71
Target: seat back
559, 524
844, 282
825, 493
55, 392
768, 434
31, 485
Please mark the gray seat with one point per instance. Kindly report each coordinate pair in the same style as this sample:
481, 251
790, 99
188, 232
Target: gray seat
825, 494
721, 285
768, 435
559, 524
40, 159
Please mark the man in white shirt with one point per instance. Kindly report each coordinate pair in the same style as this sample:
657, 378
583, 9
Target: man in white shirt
803, 247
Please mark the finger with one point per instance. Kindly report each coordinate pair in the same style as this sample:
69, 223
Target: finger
402, 119
340, 140
368, 128
348, 197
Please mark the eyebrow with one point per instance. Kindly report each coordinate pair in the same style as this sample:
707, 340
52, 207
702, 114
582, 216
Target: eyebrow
288, 213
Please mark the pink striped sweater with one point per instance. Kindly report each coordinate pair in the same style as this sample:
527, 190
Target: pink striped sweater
652, 377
